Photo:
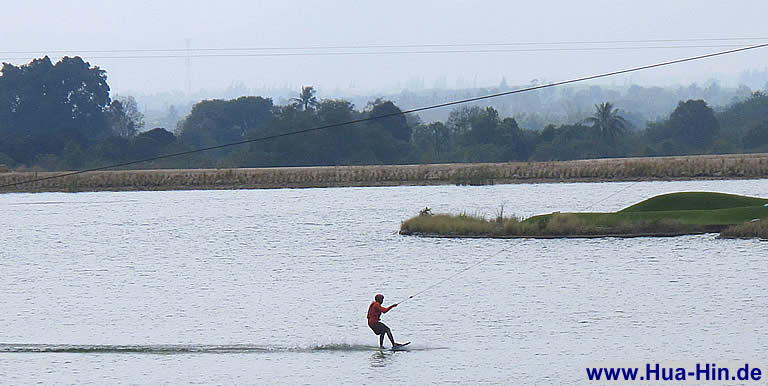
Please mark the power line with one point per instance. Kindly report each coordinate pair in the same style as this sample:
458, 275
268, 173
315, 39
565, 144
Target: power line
370, 53
376, 46
416, 110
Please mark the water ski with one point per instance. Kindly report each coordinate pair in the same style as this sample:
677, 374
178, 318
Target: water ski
400, 346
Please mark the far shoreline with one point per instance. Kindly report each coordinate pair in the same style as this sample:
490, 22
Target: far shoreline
677, 168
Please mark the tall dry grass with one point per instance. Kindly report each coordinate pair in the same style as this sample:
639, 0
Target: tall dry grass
752, 229
619, 169
558, 225
465, 224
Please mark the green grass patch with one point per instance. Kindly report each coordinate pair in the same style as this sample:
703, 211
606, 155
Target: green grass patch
694, 201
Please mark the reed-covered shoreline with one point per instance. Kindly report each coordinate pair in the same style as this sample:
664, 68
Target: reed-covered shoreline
597, 170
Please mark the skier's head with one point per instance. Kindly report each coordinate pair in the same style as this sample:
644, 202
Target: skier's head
379, 298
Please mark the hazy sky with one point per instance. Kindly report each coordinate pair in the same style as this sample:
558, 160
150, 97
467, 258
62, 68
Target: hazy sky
34, 28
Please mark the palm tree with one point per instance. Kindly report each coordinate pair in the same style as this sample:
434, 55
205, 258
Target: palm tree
306, 98
607, 121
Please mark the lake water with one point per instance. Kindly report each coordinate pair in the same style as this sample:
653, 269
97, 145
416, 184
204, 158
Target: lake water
272, 286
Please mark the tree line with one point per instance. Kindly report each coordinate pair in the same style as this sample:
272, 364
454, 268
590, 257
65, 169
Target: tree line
61, 116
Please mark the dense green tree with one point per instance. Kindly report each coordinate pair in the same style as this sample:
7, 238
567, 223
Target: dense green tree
433, 139
693, 124
218, 122
159, 135
517, 144
690, 128
391, 119
757, 136
484, 126
112, 149
335, 111
564, 142
152, 143
740, 117
346, 142
297, 150
472, 125
46, 106
480, 134
460, 120
83, 94
548, 134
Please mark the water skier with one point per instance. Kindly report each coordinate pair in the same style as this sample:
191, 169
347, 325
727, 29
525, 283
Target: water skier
374, 315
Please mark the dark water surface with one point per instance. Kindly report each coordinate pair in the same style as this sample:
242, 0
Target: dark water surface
272, 286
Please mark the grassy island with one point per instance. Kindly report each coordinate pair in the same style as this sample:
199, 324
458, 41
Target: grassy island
671, 214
